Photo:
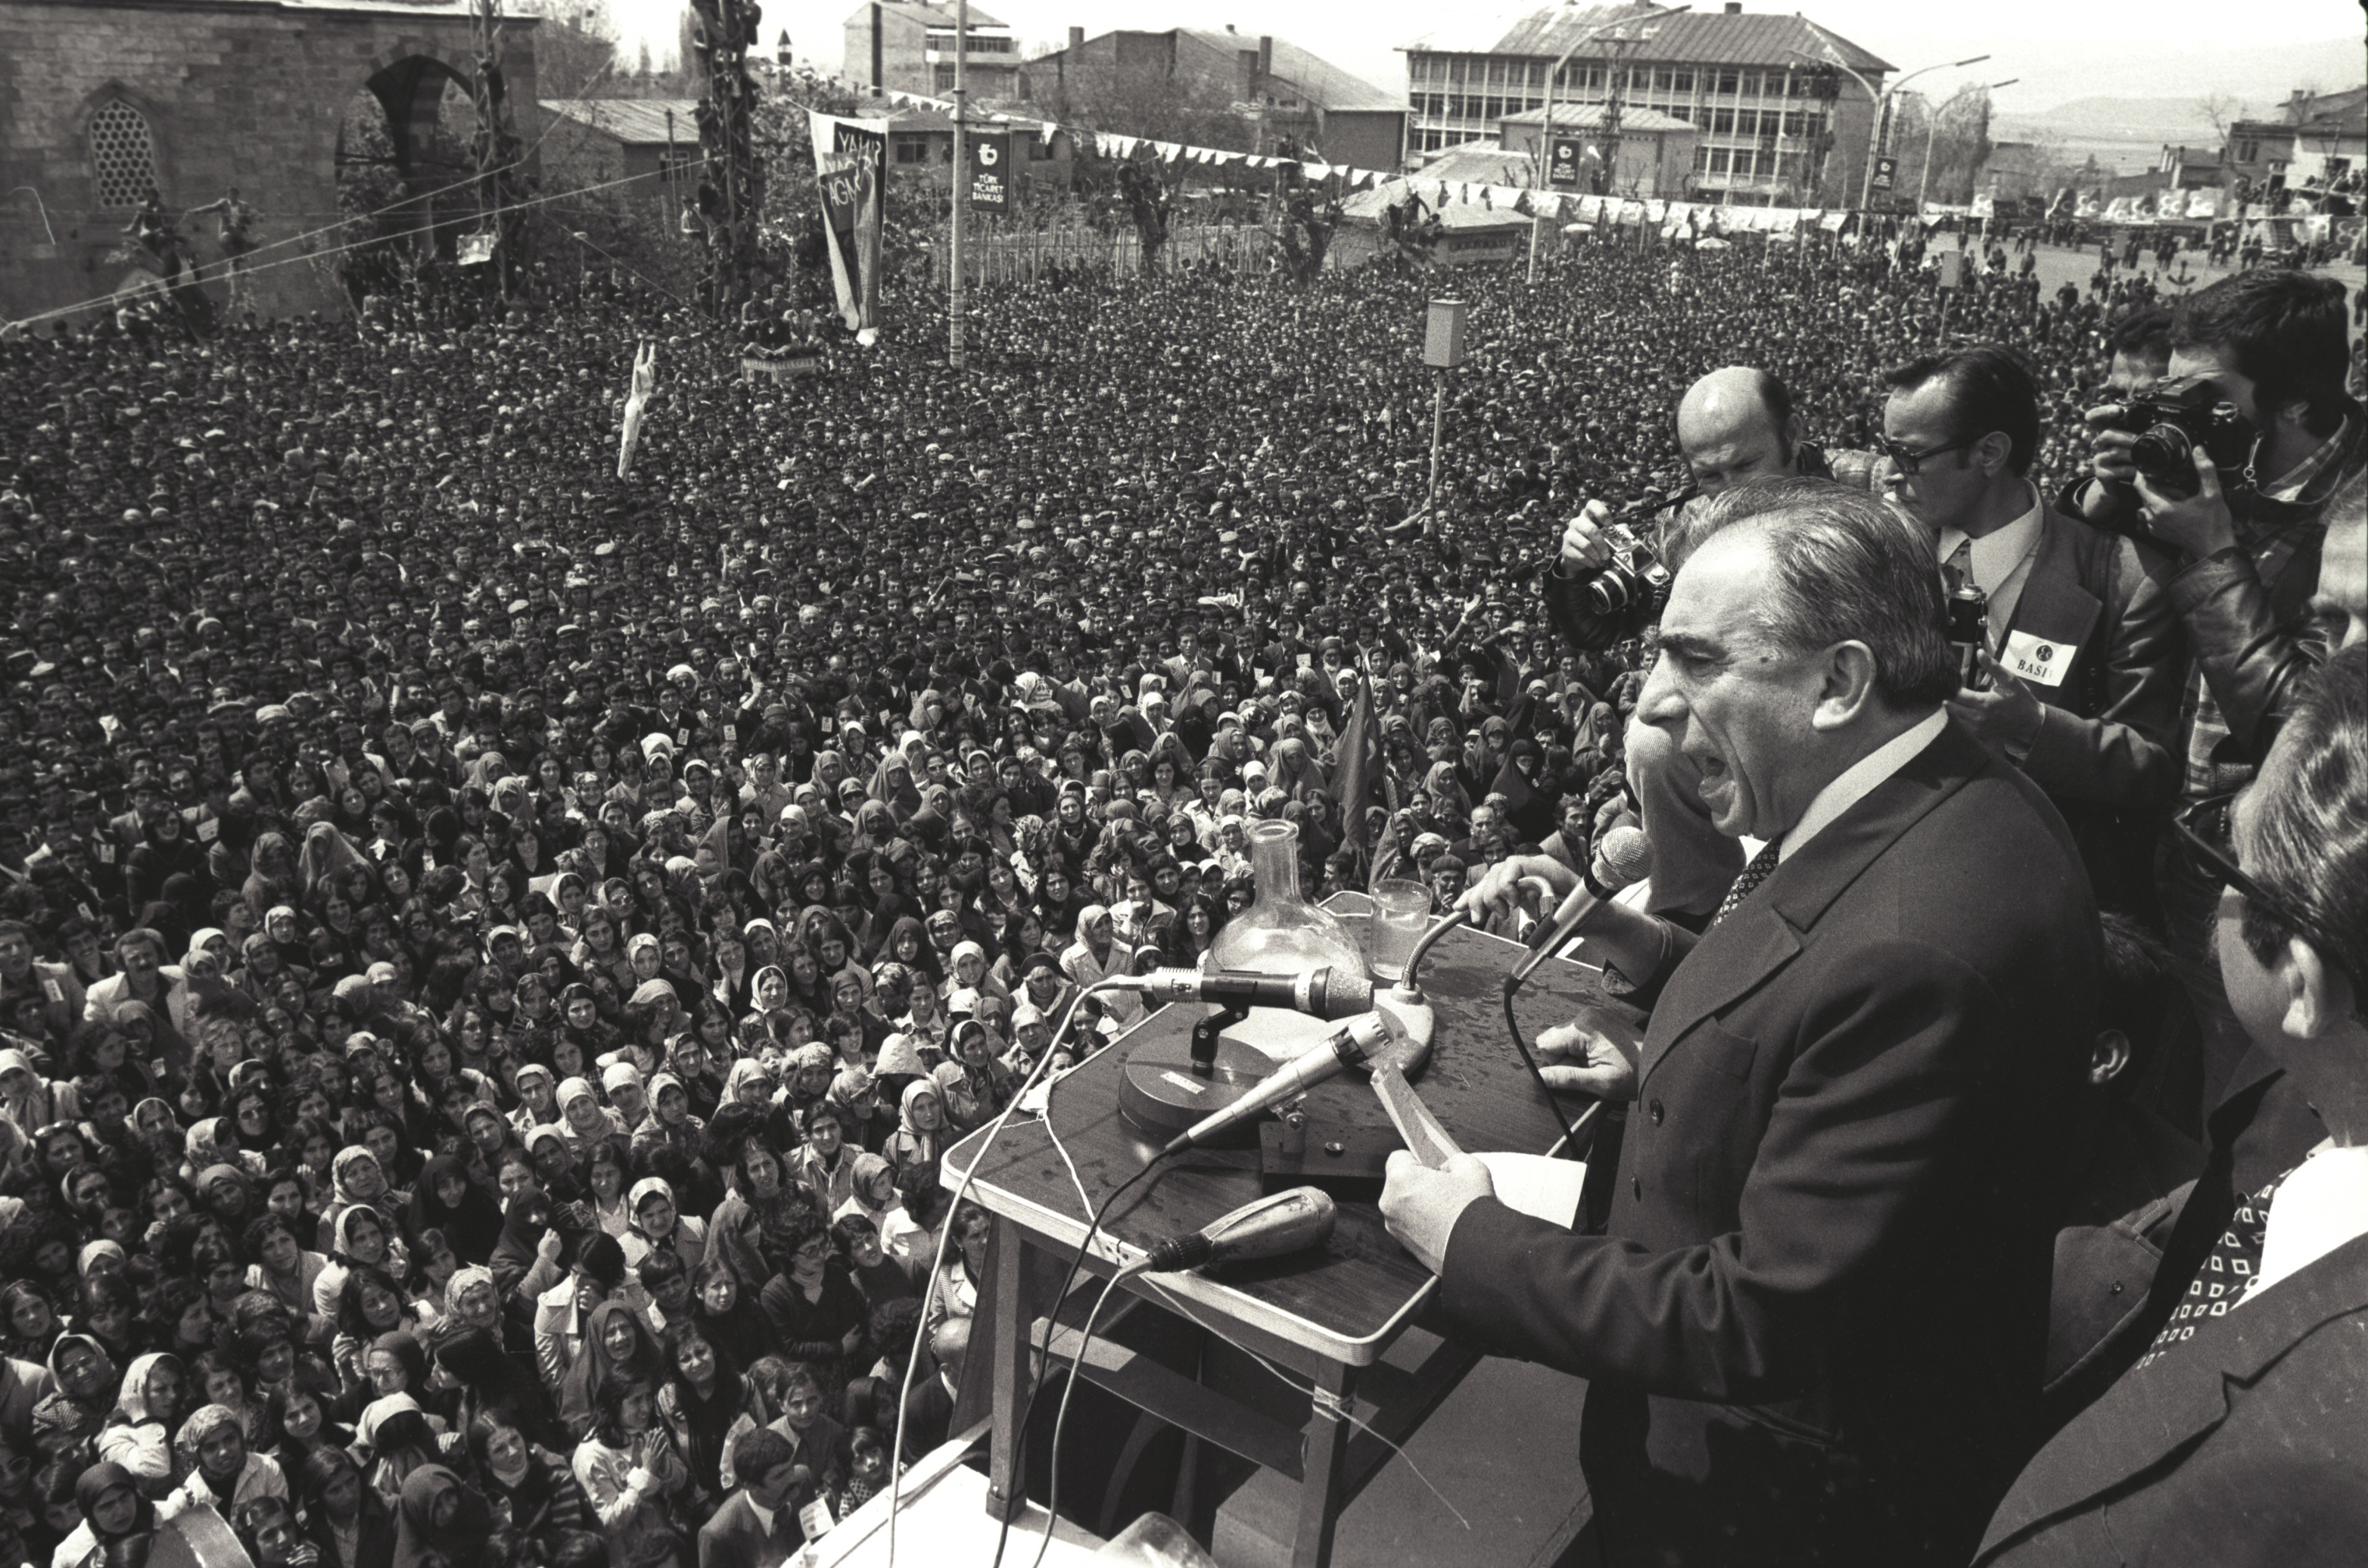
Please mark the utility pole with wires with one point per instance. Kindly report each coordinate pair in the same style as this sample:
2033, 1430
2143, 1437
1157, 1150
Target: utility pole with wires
495, 151
731, 176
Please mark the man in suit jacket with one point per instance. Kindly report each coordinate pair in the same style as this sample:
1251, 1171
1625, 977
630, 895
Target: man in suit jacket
2085, 652
1813, 1329
2239, 1437
758, 1525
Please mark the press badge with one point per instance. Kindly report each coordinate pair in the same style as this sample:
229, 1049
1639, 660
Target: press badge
2036, 659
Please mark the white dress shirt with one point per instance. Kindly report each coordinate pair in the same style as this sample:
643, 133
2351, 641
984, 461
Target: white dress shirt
1858, 781
2320, 1206
2001, 561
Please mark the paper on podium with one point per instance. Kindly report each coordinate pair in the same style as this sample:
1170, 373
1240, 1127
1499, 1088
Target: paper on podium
1537, 1184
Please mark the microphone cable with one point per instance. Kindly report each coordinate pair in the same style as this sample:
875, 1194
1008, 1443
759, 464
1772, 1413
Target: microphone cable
938, 1260
1052, 1321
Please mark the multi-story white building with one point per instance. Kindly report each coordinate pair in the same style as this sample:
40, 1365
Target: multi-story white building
1776, 123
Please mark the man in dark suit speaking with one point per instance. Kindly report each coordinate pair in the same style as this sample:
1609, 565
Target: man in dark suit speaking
1814, 1330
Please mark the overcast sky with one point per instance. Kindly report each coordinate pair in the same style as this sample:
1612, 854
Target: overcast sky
2060, 51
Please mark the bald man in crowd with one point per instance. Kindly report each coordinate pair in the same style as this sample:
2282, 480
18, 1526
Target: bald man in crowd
1735, 425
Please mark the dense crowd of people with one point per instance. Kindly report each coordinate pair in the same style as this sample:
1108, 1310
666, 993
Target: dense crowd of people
492, 953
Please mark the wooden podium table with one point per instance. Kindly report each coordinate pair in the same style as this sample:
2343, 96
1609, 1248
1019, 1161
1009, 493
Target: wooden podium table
1326, 1317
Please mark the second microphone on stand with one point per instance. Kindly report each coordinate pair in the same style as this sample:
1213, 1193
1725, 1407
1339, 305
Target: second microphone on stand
1622, 858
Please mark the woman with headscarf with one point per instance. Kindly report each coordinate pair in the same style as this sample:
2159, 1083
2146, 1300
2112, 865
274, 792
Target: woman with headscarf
1292, 769
919, 1137
357, 1180
658, 1225
494, 1385
974, 1085
617, 1348
114, 1511
394, 1439
546, 1503
360, 1238
763, 1194
1451, 806
348, 1522
440, 1521
272, 876
168, 849
220, 1470
862, 1122
582, 1120
84, 1391
138, 1434
670, 1124
445, 1199
327, 854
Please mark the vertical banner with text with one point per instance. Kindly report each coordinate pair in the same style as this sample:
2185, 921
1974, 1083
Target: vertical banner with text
851, 166
989, 158
1562, 171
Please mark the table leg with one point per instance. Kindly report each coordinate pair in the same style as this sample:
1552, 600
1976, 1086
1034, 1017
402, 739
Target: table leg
1007, 1478
1327, 1444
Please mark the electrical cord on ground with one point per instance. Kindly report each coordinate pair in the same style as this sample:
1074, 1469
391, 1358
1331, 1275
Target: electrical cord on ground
945, 1233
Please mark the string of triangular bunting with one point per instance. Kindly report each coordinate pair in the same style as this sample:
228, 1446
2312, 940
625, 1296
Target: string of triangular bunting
1112, 146
1701, 219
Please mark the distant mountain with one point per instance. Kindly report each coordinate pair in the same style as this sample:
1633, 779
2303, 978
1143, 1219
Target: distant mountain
2164, 120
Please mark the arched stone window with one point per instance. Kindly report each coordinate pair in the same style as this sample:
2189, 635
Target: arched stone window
123, 154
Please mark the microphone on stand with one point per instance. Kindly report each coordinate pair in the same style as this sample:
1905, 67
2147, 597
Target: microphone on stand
1623, 859
1325, 993
1349, 1045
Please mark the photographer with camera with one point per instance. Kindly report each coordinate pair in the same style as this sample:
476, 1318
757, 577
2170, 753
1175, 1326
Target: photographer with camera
2073, 662
2232, 463
1735, 425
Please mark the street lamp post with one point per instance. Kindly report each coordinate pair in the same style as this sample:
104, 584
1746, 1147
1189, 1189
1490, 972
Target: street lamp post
1882, 99
1538, 172
1933, 124
956, 292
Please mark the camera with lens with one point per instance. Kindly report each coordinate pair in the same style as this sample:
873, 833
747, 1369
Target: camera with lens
2173, 419
1631, 590
1968, 632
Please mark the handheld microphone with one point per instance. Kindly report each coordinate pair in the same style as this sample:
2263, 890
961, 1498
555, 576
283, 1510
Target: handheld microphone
1327, 993
1622, 859
1285, 1222
1349, 1045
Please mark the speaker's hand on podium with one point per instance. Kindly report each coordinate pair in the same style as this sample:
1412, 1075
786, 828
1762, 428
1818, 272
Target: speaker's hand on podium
1421, 1205
1575, 1058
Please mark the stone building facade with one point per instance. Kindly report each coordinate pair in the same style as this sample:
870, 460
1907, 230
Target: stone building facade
100, 98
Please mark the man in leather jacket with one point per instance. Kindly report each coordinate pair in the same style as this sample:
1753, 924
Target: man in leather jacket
2248, 546
1735, 426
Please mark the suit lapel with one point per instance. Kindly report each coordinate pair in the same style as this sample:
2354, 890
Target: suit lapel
2055, 609
1742, 950
2156, 1409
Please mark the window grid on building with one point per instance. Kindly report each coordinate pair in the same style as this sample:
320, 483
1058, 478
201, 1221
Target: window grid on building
123, 154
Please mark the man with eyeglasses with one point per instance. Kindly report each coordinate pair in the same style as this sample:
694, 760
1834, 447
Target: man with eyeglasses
2080, 682
1735, 425
2236, 1435
2247, 552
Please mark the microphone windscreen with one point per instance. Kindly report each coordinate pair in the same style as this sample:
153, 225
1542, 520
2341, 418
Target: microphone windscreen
1627, 856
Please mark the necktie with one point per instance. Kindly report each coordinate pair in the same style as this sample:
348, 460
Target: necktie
1957, 571
1748, 882
2225, 1276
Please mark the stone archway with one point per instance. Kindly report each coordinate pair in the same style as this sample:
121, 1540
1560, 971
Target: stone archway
404, 169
